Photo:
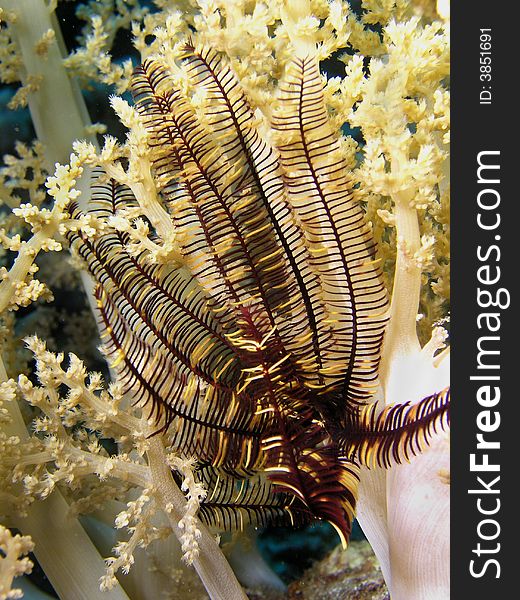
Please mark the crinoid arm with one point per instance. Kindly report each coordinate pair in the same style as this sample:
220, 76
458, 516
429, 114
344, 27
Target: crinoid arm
336, 233
168, 349
397, 433
232, 503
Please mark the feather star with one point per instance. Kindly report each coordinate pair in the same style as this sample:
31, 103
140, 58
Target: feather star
258, 352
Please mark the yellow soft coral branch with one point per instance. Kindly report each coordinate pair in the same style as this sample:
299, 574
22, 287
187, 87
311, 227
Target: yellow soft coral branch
13, 561
59, 538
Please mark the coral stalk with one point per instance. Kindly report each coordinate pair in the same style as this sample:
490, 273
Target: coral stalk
213, 569
57, 108
65, 552
401, 336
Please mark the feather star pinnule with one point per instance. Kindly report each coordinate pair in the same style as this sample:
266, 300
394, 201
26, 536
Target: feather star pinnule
258, 353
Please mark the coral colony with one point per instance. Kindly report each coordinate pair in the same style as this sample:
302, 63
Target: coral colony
270, 292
